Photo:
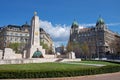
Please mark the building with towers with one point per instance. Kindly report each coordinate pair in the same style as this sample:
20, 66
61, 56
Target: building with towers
96, 41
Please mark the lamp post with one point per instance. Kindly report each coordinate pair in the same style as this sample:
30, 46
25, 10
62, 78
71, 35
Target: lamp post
98, 52
3, 50
3, 53
24, 48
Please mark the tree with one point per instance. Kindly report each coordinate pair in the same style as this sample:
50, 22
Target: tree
85, 50
75, 47
15, 47
80, 49
46, 47
115, 47
69, 47
62, 49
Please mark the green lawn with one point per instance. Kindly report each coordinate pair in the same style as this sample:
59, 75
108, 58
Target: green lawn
44, 66
53, 66
97, 62
45, 70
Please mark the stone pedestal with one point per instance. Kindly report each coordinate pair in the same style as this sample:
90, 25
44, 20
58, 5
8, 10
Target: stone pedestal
9, 54
71, 55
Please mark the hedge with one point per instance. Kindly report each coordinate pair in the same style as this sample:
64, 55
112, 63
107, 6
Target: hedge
45, 74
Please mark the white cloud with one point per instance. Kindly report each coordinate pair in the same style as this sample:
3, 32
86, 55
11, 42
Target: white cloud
59, 33
93, 24
87, 25
59, 43
113, 24
81, 26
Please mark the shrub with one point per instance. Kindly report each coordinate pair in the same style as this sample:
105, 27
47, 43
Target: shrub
65, 73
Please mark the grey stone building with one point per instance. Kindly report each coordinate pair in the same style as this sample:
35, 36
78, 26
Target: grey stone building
95, 41
20, 34
13, 34
45, 38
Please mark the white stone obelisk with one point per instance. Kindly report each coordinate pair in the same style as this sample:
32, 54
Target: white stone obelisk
34, 41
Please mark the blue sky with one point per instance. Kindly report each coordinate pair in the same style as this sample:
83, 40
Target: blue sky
59, 14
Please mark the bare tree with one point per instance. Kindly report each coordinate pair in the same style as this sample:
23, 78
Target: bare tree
85, 50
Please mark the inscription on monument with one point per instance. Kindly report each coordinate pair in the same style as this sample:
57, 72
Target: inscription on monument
36, 33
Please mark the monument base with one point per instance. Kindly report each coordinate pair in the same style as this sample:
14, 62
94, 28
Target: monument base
33, 49
35, 60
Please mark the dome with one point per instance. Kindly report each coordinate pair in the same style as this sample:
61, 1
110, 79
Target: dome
37, 54
100, 21
75, 24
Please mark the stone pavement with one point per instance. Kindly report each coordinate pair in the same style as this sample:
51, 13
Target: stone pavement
84, 64
108, 76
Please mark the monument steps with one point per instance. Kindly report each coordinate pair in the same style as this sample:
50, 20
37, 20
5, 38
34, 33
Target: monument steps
35, 60
59, 60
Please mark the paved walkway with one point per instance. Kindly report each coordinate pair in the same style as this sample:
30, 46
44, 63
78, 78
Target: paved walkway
109, 76
100, 65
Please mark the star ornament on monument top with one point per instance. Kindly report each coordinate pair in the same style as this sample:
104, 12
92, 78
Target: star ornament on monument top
35, 13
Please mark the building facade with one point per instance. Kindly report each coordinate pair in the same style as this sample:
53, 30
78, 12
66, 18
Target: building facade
45, 38
61, 50
13, 34
96, 41
20, 34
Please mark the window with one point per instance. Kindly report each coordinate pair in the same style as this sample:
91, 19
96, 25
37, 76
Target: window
74, 40
25, 34
20, 34
10, 39
15, 39
106, 46
11, 33
16, 34
41, 36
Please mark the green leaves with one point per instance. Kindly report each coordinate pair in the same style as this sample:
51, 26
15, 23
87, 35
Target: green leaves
14, 46
46, 47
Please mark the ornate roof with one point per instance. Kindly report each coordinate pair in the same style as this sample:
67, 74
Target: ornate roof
14, 26
26, 25
100, 21
75, 24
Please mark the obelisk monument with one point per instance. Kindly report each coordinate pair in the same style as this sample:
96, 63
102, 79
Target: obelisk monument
34, 40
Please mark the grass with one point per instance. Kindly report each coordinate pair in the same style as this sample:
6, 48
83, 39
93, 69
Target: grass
45, 70
52, 66
97, 62
43, 66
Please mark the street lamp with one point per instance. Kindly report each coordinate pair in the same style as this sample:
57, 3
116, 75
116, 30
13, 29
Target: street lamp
97, 50
3, 50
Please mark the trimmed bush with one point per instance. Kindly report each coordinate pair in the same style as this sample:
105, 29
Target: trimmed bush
65, 73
